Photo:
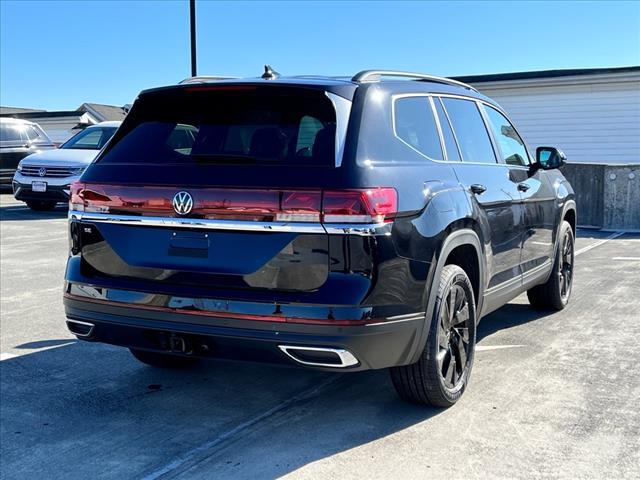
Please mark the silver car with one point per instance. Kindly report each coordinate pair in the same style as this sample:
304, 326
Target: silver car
44, 179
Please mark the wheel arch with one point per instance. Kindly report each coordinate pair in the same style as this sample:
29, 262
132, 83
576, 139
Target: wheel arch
569, 214
464, 240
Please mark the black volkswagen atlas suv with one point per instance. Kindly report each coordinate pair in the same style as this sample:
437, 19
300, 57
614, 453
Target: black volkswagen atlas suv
337, 224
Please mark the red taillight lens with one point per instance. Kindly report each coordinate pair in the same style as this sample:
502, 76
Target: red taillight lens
299, 206
76, 202
360, 206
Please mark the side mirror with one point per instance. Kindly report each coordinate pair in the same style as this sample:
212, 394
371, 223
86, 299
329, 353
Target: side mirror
549, 158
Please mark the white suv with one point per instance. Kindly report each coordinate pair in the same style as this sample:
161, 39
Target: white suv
43, 179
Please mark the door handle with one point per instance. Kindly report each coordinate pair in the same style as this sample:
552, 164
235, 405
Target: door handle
478, 189
523, 187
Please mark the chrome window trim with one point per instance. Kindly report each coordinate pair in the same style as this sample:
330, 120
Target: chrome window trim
495, 107
437, 97
234, 225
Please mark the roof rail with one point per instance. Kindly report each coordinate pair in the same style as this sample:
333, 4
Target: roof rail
374, 76
202, 79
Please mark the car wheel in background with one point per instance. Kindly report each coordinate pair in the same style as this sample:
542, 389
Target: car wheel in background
441, 374
554, 295
40, 206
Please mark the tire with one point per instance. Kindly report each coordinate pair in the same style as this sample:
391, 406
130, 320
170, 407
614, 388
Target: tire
424, 382
163, 360
555, 293
41, 206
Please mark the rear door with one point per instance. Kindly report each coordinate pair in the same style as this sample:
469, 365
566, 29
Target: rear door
213, 188
494, 191
536, 194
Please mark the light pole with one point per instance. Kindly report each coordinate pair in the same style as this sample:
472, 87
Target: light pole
192, 16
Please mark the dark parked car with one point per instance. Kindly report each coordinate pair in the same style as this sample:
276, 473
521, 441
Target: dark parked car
338, 224
19, 138
44, 179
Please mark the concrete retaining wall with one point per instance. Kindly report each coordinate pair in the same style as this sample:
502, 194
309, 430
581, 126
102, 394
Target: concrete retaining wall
608, 196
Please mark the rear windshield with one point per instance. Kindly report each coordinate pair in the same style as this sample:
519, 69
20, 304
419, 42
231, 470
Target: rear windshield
241, 124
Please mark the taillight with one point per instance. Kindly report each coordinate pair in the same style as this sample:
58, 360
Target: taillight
373, 205
76, 202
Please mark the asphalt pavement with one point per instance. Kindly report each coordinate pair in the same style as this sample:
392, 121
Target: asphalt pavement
552, 395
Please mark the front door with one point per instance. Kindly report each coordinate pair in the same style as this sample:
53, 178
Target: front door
535, 191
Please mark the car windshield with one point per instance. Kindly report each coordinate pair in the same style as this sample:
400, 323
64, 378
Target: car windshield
92, 138
244, 125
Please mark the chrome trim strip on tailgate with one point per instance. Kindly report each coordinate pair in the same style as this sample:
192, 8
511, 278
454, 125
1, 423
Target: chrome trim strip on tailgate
234, 225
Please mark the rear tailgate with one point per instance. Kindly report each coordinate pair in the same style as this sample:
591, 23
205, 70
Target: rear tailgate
230, 238
205, 185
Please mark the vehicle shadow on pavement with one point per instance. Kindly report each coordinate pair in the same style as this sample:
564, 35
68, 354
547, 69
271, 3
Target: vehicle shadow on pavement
22, 212
77, 401
508, 316
65, 405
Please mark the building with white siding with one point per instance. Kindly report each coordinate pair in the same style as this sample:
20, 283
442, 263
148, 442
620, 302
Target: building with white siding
593, 115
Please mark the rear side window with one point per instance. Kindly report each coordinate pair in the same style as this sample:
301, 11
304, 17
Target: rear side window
473, 138
511, 145
9, 133
243, 124
414, 125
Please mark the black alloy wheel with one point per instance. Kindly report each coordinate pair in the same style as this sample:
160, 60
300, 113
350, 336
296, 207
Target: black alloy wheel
554, 294
453, 338
441, 374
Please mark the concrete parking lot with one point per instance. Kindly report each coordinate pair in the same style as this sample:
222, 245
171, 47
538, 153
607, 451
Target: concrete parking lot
551, 396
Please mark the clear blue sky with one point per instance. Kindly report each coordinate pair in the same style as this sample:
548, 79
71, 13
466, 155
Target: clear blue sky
56, 55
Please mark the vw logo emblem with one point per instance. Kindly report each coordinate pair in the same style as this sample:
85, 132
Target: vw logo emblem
42, 172
182, 203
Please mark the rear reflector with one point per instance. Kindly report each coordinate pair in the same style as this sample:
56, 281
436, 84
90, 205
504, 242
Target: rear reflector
373, 205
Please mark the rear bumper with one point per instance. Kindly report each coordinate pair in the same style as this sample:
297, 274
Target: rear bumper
374, 345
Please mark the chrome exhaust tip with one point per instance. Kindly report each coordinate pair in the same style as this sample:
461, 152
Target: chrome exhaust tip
80, 329
320, 356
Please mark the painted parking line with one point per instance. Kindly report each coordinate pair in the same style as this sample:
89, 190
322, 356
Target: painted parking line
484, 348
598, 243
8, 356
35, 242
627, 259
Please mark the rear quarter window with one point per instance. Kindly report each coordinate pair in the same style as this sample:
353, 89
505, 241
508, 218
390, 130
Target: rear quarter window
415, 125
